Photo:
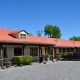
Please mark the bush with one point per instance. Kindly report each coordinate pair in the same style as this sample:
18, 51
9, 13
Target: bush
58, 55
17, 60
22, 60
48, 55
68, 53
27, 60
64, 54
6, 63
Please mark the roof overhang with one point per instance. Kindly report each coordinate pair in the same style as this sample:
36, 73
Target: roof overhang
25, 43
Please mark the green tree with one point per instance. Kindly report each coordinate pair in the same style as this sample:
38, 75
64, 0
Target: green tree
52, 31
75, 38
48, 30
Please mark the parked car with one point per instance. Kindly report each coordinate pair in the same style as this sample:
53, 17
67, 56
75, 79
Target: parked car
75, 55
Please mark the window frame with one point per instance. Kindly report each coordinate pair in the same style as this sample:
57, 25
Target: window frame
70, 49
22, 36
34, 51
49, 50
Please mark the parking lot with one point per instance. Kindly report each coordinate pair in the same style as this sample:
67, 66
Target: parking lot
62, 70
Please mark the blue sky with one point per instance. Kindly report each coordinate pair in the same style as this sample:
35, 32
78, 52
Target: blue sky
33, 15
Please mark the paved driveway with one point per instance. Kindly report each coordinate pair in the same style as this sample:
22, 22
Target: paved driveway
63, 70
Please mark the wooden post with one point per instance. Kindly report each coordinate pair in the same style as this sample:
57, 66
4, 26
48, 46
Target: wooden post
45, 49
1, 58
39, 54
52, 53
1, 55
23, 48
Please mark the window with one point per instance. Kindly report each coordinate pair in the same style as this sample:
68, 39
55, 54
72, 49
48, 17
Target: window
67, 49
64, 50
70, 49
33, 51
49, 50
17, 51
22, 36
59, 50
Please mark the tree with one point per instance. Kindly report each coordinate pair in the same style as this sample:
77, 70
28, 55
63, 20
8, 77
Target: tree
56, 33
48, 30
75, 38
39, 33
52, 31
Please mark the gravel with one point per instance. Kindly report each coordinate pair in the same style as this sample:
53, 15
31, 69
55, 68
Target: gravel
62, 70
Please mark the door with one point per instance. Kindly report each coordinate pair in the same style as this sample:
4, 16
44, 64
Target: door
17, 51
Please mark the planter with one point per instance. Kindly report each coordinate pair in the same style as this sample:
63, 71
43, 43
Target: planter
7, 64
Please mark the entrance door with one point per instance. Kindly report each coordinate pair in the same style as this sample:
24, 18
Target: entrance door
17, 51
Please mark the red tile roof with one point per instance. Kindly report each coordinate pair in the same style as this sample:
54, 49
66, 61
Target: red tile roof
5, 37
16, 32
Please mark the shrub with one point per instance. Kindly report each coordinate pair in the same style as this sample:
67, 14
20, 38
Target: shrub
48, 55
70, 53
64, 54
58, 55
67, 53
17, 60
27, 60
24, 60
6, 63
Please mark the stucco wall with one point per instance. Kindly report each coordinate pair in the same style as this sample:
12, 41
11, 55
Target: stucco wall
57, 50
27, 52
10, 50
22, 32
43, 50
